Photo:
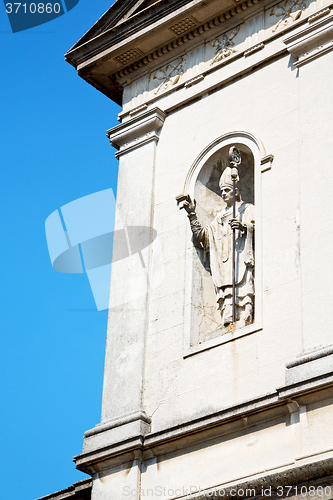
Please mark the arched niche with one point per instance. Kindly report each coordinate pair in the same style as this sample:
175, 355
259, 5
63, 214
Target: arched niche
202, 183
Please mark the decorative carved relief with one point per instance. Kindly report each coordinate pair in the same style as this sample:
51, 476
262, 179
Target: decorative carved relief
224, 45
128, 56
288, 11
183, 26
170, 74
253, 49
194, 80
319, 14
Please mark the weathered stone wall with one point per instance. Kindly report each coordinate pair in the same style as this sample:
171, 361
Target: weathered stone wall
184, 403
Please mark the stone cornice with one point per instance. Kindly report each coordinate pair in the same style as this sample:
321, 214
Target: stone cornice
99, 59
269, 485
199, 30
136, 131
136, 25
117, 44
85, 48
266, 408
111, 18
314, 40
245, 58
116, 423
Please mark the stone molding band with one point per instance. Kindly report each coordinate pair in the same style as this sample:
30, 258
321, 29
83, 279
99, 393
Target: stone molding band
139, 141
295, 474
310, 357
270, 406
116, 423
313, 41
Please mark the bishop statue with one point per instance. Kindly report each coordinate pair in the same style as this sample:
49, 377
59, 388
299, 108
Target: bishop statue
224, 249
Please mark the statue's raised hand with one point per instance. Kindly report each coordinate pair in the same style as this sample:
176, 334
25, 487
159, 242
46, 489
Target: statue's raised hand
189, 206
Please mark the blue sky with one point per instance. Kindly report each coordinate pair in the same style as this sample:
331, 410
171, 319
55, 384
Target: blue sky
53, 151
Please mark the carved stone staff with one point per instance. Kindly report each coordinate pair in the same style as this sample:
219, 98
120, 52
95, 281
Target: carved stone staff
234, 160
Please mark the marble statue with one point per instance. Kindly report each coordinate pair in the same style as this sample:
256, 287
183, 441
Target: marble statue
217, 238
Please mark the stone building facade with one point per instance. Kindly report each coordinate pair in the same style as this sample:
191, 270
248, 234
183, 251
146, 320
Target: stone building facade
192, 408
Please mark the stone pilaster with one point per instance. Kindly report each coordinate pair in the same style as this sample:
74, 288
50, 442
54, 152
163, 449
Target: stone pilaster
124, 423
312, 47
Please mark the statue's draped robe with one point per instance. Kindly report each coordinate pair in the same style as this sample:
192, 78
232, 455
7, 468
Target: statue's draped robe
217, 238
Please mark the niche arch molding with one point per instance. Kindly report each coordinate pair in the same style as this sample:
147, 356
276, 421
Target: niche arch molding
251, 141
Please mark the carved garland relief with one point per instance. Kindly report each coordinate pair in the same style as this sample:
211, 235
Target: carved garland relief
224, 45
288, 11
169, 75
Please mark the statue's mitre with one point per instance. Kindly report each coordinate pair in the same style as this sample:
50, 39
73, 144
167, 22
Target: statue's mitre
226, 179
